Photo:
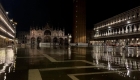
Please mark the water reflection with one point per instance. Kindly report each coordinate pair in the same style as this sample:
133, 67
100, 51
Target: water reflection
38, 47
7, 61
117, 58
32, 46
69, 52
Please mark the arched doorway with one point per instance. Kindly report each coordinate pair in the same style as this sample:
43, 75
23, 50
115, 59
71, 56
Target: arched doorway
55, 40
61, 41
47, 39
38, 40
33, 40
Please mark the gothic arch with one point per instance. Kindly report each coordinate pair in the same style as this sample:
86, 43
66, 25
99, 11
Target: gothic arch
47, 32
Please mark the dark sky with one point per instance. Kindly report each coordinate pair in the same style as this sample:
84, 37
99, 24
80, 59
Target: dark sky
38, 12
59, 12
104, 9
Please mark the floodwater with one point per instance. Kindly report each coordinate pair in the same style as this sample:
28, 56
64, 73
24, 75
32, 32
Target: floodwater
70, 63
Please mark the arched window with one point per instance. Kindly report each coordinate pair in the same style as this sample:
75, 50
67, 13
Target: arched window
47, 32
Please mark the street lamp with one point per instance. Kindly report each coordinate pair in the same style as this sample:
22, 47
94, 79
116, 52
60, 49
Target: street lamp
69, 39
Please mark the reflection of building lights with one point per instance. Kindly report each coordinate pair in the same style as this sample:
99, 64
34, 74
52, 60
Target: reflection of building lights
109, 66
5, 76
128, 72
69, 52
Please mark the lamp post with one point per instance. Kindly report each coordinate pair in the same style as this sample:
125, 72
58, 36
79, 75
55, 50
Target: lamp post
69, 39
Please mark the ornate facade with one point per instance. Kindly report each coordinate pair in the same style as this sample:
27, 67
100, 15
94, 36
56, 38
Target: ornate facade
122, 29
47, 35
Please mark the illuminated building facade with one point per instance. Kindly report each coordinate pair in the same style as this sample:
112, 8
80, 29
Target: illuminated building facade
120, 30
47, 35
7, 35
79, 21
7, 28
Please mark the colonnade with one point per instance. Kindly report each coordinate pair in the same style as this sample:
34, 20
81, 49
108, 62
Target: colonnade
4, 42
119, 42
135, 28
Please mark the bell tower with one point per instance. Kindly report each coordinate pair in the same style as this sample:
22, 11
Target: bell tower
79, 21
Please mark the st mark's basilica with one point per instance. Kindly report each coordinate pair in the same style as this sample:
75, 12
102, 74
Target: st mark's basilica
47, 35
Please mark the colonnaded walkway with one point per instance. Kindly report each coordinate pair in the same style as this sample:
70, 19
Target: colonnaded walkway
70, 63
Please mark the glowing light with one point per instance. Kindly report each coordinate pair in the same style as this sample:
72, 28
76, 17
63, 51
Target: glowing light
6, 32
11, 20
7, 12
128, 22
7, 24
2, 36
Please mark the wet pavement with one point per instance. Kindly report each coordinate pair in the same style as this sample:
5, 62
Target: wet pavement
70, 63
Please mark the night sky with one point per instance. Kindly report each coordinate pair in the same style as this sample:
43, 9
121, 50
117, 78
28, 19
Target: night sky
59, 12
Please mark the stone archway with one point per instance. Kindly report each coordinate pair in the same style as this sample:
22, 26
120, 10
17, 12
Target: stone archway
33, 40
39, 39
61, 41
47, 39
55, 40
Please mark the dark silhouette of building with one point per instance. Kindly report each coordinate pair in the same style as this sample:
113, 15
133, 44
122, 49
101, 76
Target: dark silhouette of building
79, 21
